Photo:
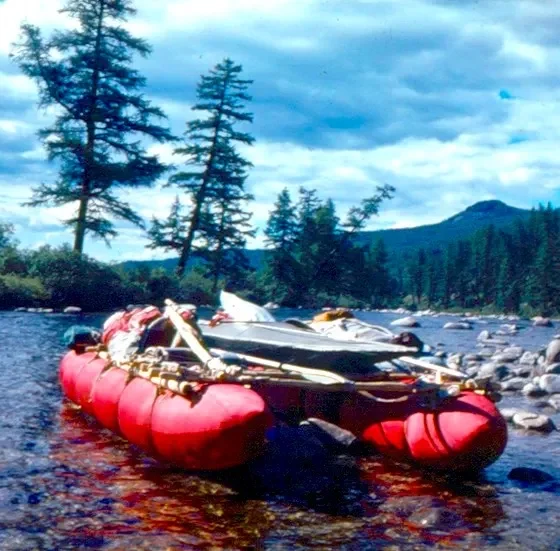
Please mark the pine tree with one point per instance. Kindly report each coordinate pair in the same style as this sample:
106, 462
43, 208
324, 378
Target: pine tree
227, 227
380, 279
507, 286
209, 148
417, 275
281, 237
449, 275
169, 235
464, 267
96, 137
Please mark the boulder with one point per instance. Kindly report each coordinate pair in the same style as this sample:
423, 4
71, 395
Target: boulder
524, 371
539, 321
508, 413
409, 321
533, 421
496, 371
515, 384
462, 325
455, 359
552, 354
484, 335
533, 390
553, 369
529, 358
550, 383
554, 402
529, 475
506, 356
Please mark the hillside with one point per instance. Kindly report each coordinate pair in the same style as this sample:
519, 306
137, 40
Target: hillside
399, 242
459, 226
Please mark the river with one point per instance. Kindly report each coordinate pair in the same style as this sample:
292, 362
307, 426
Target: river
67, 484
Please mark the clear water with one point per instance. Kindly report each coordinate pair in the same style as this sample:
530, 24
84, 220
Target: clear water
67, 484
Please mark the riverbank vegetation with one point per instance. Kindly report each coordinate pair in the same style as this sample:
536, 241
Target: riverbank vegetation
312, 260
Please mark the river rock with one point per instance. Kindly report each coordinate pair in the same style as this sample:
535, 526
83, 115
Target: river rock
538, 370
550, 383
472, 372
508, 413
515, 384
552, 354
533, 390
554, 402
507, 355
490, 341
510, 328
529, 358
533, 421
530, 475
553, 369
541, 322
462, 325
409, 321
484, 335
455, 359
496, 371
437, 518
524, 371
332, 436
473, 357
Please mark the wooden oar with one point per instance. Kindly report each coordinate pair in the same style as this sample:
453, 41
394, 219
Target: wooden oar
433, 367
191, 336
316, 375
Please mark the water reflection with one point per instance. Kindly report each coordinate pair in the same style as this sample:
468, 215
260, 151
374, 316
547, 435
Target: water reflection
102, 491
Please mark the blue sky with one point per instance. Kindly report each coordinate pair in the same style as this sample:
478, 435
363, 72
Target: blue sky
451, 102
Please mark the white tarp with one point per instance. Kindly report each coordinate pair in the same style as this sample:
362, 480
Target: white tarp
243, 310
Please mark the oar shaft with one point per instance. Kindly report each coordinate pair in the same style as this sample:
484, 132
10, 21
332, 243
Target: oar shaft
188, 333
432, 367
335, 378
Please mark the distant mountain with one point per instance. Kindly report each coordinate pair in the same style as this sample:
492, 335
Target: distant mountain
399, 242
459, 226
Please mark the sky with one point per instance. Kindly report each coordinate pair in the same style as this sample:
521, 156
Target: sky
450, 101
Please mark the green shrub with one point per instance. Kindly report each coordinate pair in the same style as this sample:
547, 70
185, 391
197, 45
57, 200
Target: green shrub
21, 291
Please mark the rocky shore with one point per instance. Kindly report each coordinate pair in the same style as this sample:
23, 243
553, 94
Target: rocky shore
534, 374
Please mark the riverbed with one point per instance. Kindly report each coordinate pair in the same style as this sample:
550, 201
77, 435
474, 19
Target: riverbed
65, 483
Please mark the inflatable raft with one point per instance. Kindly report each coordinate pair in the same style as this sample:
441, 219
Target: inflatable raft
185, 406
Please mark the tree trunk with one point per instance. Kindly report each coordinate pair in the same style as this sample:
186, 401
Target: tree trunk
80, 231
195, 220
219, 255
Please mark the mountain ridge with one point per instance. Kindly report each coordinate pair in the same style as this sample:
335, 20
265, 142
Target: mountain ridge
400, 242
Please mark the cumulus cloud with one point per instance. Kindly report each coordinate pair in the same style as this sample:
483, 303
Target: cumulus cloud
449, 101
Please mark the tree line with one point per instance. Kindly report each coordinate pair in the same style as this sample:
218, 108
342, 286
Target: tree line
314, 260
514, 269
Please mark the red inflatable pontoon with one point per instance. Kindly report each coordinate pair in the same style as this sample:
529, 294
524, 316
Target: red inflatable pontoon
462, 433
223, 426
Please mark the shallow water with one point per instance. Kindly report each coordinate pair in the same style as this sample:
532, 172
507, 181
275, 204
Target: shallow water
67, 484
